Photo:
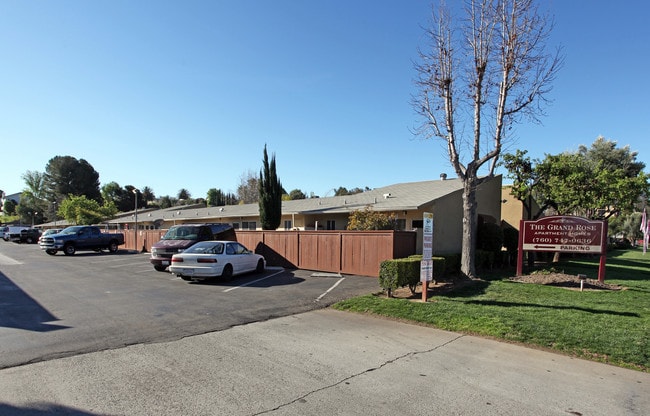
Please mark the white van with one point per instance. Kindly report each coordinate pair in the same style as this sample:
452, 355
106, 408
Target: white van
13, 233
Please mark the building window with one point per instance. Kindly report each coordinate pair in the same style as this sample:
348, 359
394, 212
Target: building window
287, 224
235, 225
331, 225
249, 225
400, 224
417, 224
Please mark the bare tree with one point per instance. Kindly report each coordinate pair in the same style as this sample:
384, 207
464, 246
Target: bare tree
480, 75
248, 189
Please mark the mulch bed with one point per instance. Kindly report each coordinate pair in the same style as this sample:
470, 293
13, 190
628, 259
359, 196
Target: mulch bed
566, 281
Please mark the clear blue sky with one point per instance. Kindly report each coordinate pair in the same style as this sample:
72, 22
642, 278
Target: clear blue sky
184, 94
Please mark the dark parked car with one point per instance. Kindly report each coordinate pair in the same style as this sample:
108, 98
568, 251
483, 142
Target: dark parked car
81, 238
29, 236
181, 237
49, 231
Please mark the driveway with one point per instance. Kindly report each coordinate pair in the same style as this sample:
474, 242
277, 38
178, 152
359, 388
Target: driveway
56, 306
324, 362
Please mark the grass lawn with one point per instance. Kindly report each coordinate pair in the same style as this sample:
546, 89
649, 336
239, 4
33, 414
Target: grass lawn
606, 326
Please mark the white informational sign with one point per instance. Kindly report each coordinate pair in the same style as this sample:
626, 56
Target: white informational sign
426, 270
426, 266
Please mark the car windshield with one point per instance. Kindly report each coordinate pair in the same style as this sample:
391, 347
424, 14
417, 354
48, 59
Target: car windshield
182, 232
206, 247
71, 230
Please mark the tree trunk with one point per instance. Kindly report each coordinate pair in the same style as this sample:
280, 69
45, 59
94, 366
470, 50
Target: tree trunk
470, 226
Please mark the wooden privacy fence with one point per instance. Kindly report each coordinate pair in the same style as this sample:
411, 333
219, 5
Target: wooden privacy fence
146, 238
349, 252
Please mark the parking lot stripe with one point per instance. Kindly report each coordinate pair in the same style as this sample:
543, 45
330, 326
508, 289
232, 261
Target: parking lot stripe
8, 261
254, 281
330, 289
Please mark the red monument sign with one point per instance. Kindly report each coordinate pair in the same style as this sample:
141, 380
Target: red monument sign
566, 234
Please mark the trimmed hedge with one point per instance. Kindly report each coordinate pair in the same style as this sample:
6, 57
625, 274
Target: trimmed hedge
398, 273
439, 265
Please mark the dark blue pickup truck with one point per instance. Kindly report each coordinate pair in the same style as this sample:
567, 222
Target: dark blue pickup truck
80, 238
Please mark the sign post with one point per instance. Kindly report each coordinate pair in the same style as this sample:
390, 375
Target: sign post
426, 265
565, 234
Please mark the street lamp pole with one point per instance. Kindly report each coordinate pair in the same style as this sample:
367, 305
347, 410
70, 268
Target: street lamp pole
135, 192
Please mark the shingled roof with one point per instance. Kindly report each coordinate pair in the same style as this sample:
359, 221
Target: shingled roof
401, 196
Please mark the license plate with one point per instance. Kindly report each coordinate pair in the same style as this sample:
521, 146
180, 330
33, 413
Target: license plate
165, 263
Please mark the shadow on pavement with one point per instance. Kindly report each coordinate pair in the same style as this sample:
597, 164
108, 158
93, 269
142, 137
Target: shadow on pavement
19, 310
41, 410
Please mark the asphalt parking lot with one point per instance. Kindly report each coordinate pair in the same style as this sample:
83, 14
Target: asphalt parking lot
56, 306
99, 334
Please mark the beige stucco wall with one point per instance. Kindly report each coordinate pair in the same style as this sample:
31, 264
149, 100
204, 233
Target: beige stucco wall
488, 198
513, 210
448, 224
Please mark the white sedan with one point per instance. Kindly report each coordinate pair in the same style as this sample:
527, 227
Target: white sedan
209, 259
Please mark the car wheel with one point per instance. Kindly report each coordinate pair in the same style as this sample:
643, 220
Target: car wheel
260, 266
112, 247
227, 272
50, 252
69, 250
160, 268
29, 240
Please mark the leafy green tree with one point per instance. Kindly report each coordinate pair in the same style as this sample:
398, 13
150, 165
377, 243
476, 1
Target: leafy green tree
113, 192
184, 194
270, 194
29, 214
595, 182
369, 219
606, 153
481, 74
342, 191
525, 179
216, 198
212, 198
148, 196
9, 207
33, 198
83, 211
297, 194
65, 175
166, 202
123, 198
626, 225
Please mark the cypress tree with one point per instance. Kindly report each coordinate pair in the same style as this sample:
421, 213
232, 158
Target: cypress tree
270, 192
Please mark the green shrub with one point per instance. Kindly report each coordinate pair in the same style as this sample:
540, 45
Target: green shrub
439, 266
399, 273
